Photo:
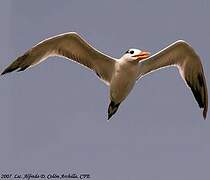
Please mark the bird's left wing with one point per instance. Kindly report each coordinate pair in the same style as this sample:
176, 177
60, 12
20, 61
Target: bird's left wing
181, 55
71, 46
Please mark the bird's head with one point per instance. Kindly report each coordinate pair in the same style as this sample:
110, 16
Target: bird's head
135, 55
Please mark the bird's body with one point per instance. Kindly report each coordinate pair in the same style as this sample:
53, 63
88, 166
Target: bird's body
120, 74
123, 80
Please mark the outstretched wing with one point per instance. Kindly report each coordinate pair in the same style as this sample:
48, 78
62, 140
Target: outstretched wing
183, 56
71, 46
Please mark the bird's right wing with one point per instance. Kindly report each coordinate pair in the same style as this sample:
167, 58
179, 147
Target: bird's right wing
181, 55
71, 46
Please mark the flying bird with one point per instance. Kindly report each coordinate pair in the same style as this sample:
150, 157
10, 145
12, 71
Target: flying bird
120, 74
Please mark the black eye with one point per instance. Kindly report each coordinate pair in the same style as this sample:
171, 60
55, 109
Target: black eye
131, 52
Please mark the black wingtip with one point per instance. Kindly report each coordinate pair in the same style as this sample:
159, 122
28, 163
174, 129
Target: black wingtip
3, 73
199, 91
8, 70
19, 63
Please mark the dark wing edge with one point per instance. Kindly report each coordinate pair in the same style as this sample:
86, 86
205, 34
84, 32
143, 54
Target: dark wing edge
183, 56
194, 76
19, 64
199, 90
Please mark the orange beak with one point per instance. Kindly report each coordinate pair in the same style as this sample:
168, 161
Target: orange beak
142, 55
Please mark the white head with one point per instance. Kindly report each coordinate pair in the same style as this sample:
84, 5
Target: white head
135, 55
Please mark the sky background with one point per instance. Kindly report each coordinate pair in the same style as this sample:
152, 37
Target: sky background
53, 117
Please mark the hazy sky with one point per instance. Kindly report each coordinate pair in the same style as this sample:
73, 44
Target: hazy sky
53, 117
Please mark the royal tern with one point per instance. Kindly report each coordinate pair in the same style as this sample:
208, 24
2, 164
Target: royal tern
120, 74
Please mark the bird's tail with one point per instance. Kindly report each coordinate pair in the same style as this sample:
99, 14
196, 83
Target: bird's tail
113, 107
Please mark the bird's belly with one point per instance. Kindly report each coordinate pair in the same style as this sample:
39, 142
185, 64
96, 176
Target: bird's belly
120, 86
